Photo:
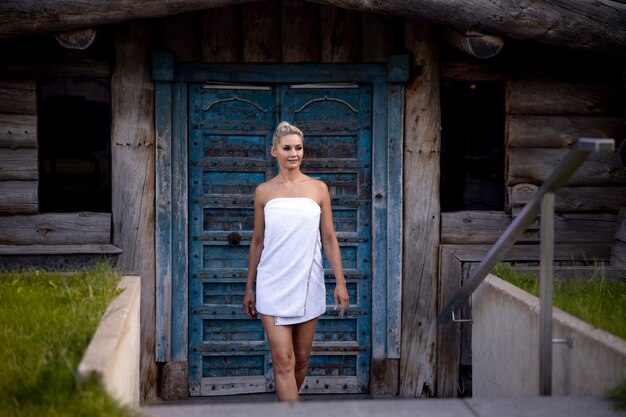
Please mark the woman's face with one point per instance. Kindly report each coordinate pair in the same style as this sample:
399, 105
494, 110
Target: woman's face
289, 151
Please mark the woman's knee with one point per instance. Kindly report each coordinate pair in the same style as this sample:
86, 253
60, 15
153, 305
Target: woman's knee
284, 361
302, 359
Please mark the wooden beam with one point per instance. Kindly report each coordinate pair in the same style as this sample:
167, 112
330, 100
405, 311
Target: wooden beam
261, 23
56, 229
18, 131
340, 31
477, 44
222, 36
19, 164
34, 17
559, 131
594, 25
133, 177
19, 197
422, 141
86, 249
77, 39
18, 96
558, 97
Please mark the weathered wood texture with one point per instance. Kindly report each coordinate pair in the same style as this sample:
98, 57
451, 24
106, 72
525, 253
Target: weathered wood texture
18, 164
262, 32
589, 25
19, 197
558, 97
222, 35
18, 131
422, 141
77, 39
341, 30
300, 31
618, 250
381, 37
560, 131
584, 199
485, 227
56, 229
180, 34
18, 96
61, 250
22, 18
133, 178
477, 44
534, 165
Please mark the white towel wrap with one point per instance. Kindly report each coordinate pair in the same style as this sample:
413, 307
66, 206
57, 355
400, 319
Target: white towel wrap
290, 275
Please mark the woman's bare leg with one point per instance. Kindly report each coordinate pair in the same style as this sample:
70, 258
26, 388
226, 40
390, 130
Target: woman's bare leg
302, 342
283, 358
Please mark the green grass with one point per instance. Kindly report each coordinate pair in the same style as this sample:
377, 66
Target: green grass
47, 321
597, 301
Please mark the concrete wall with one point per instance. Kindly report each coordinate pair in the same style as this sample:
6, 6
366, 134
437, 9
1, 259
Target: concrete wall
113, 353
505, 347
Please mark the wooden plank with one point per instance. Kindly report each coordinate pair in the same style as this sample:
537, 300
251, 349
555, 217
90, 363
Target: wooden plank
133, 183
422, 139
19, 197
480, 227
18, 164
56, 229
71, 63
163, 237
448, 336
591, 252
381, 36
379, 220
300, 31
279, 73
261, 28
180, 221
618, 249
222, 36
340, 34
587, 199
180, 34
535, 165
558, 97
620, 227
394, 219
18, 96
18, 130
83, 249
525, 131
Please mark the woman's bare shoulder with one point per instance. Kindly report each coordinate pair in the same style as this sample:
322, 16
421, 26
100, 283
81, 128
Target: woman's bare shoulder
262, 192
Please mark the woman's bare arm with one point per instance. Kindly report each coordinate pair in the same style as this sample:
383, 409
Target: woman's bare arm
254, 255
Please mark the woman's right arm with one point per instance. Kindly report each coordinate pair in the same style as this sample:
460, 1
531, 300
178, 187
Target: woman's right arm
254, 255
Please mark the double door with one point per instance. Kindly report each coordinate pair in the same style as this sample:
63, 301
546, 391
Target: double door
230, 132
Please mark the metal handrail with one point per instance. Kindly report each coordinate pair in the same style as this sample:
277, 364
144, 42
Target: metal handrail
543, 199
579, 152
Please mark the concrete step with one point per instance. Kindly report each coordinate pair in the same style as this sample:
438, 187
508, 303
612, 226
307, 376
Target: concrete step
329, 407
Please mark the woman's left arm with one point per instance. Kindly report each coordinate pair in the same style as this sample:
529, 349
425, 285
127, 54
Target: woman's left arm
331, 249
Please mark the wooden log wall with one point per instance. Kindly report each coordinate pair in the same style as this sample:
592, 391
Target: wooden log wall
544, 119
18, 146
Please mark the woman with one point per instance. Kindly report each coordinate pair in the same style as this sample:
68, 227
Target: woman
292, 222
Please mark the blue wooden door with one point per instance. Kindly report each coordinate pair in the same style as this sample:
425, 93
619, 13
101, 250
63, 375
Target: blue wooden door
229, 140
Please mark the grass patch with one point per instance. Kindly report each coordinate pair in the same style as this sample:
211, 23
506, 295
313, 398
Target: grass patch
47, 321
597, 301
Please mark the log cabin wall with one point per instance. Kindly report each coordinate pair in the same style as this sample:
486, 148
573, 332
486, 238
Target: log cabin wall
553, 96
27, 235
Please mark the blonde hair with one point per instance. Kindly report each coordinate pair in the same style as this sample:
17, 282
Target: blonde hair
284, 129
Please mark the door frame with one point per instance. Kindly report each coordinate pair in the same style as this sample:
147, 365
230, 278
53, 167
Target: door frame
171, 153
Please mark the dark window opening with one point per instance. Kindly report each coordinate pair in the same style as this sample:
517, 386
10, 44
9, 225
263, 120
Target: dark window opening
472, 146
74, 130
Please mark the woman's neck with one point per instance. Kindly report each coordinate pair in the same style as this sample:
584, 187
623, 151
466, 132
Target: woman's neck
290, 176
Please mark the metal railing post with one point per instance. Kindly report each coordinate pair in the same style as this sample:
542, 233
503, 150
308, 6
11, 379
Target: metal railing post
545, 294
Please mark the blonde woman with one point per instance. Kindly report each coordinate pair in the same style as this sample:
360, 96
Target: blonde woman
292, 223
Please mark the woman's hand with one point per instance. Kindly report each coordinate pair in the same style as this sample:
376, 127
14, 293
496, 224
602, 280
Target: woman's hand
341, 297
249, 304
